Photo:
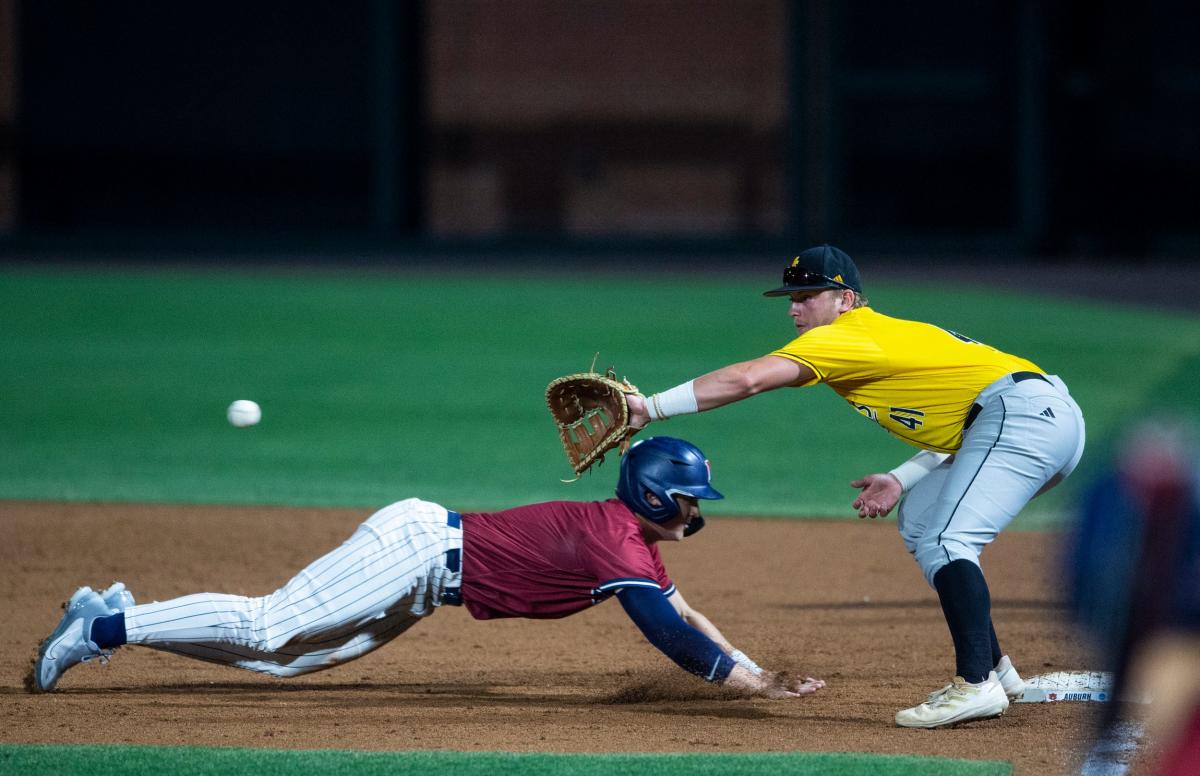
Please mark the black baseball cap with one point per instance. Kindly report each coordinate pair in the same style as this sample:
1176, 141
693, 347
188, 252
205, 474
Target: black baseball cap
822, 267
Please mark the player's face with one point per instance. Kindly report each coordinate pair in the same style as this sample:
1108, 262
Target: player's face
688, 508
810, 309
672, 530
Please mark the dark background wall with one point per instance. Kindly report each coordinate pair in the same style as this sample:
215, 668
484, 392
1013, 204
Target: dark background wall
1052, 128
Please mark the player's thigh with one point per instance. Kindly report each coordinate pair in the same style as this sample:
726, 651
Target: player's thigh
1011, 452
384, 568
917, 506
1080, 439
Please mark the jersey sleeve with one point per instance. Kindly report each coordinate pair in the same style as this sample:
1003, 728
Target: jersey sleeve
664, 580
664, 628
837, 353
622, 562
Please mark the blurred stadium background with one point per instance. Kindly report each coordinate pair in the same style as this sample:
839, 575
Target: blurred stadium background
712, 127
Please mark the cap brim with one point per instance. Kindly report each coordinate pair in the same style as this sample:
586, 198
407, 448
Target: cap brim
709, 492
786, 290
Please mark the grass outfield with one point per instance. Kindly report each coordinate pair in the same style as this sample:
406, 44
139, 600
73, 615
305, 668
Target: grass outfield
381, 386
136, 760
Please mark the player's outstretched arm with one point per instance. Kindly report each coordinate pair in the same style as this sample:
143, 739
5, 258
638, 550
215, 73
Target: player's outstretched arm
748, 378
716, 389
699, 621
698, 654
705, 626
746, 675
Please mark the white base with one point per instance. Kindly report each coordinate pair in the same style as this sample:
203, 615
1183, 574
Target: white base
1072, 686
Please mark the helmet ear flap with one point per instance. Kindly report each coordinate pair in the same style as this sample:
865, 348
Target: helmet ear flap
639, 477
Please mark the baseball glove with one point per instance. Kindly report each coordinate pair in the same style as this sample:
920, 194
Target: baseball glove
592, 415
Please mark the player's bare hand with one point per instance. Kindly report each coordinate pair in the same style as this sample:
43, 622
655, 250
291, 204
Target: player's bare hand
807, 686
638, 416
785, 685
880, 493
772, 684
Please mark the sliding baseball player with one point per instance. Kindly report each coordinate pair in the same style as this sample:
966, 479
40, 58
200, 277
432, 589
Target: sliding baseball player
539, 561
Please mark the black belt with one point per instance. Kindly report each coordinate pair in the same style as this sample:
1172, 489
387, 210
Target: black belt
453, 595
1017, 377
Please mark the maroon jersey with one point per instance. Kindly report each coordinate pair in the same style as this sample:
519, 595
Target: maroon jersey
553, 559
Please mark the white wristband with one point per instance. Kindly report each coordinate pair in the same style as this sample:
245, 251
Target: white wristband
914, 469
680, 400
740, 658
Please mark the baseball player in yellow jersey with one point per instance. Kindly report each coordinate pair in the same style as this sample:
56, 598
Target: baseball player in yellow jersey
994, 431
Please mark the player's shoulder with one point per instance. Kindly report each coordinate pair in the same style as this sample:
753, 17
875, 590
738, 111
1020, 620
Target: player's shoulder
614, 515
607, 515
868, 316
545, 512
610, 529
857, 326
870, 321
856, 320
603, 508
611, 523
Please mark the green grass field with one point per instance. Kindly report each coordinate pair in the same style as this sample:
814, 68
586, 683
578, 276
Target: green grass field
144, 760
381, 386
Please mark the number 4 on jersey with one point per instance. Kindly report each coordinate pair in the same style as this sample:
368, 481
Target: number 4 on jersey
910, 419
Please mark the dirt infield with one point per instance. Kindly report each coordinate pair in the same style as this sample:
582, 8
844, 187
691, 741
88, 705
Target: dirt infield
840, 600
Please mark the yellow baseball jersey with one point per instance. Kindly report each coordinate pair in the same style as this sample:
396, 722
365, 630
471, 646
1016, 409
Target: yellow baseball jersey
916, 380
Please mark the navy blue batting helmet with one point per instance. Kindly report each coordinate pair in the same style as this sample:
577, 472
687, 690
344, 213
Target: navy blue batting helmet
664, 466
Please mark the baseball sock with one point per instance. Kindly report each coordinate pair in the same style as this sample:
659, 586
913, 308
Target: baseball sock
967, 605
996, 652
109, 632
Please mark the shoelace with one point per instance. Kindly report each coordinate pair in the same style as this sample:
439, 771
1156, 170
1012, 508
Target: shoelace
933, 696
947, 695
103, 656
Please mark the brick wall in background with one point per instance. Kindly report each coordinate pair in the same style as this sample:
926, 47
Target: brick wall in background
591, 118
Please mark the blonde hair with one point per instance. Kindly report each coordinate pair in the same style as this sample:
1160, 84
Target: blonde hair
859, 299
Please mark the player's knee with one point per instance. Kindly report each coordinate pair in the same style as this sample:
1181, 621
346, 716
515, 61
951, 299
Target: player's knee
260, 636
934, 554
276, 639
931, 559
268, 643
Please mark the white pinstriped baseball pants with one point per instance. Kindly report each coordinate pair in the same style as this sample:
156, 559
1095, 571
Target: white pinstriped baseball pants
378, 584
1027, 438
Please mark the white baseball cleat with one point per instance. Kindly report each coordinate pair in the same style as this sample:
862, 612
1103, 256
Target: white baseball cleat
70, 644
1010, 680
957, 702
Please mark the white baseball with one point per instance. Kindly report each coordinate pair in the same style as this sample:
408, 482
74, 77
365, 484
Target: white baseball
243, 412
